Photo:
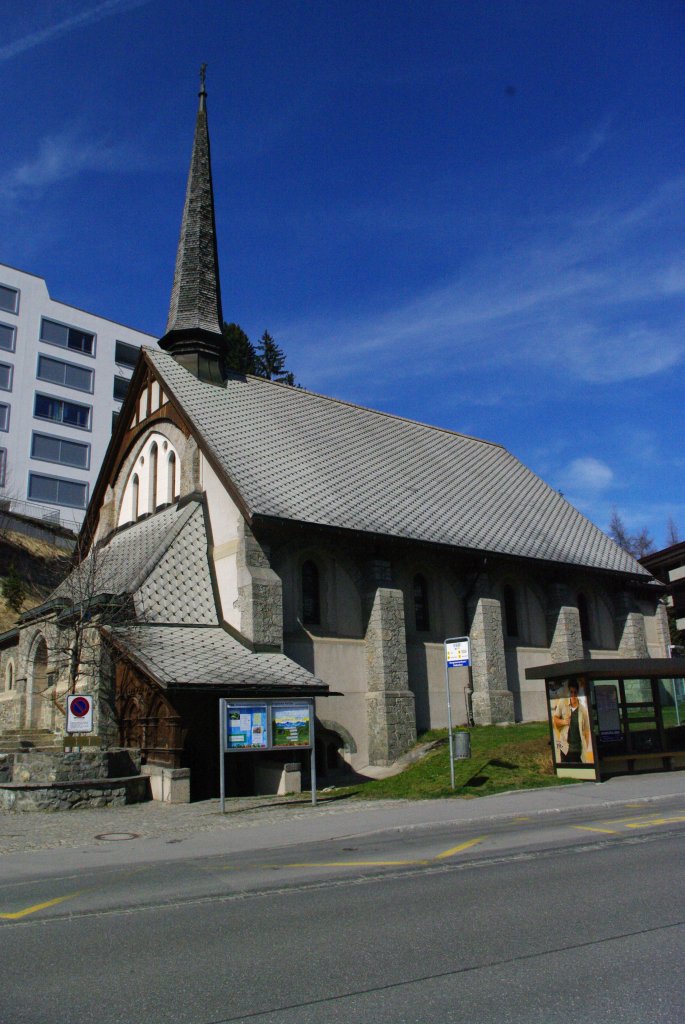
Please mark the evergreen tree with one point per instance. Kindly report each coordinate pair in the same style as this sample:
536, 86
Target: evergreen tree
241, 356
14, 589
271, 361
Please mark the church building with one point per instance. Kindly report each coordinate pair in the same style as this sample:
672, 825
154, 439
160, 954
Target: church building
250, 538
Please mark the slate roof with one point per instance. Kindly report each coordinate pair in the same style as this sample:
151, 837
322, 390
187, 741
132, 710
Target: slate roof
208, 656
296, 455
162, 560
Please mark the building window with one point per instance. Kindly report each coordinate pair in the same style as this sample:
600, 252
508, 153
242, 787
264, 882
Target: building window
135, 496
60, 450
3, 466
9, 299
6, 376
153, 476
70, 413
171, 477
125, 355
7, 334
511, 619
9, 676
421, 616
4, 416
54, 491
67, 374
120, 388
311, 601
67, 337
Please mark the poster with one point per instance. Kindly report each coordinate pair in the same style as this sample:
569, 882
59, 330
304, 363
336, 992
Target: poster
291, 725
572, 748
608, 714
246, 726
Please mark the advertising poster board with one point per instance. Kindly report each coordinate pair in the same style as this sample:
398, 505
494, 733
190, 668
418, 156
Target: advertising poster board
608, 713
246, 727
572, 746
260, 726
291, 725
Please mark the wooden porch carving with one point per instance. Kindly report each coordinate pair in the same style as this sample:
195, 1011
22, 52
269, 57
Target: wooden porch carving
147, 720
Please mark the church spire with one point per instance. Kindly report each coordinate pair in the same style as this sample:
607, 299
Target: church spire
193, 333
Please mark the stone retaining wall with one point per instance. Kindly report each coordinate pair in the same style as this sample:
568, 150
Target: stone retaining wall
68, 796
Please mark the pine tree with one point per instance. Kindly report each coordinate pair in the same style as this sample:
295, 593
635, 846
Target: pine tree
271, 361
241, 356
14, 589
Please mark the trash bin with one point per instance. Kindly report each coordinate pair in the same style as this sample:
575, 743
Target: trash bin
462, 745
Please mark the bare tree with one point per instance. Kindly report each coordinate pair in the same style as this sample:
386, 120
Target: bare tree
672, 533
636, 544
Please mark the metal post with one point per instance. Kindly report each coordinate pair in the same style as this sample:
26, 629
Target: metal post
222, 751
449, 715
312, 757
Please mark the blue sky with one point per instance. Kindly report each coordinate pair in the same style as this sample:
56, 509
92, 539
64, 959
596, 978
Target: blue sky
467, 213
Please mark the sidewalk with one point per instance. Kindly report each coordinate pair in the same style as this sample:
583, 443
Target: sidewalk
162, 831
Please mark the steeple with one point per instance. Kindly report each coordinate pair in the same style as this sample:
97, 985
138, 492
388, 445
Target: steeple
193, 333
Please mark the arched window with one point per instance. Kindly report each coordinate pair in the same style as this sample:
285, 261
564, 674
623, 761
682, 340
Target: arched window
153, 477
171, 477
584, 615
311, 600
421, 616
40, 667
9, 676
511, 620
135, 497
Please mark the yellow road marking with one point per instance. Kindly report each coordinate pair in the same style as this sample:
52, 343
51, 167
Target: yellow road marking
356, 864
655, 821
589, 828
457, 849
637, 822
38, 906
386, 863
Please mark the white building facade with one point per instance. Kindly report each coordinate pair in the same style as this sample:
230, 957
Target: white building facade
63, 375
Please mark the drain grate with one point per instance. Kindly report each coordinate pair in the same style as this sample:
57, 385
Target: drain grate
117, 837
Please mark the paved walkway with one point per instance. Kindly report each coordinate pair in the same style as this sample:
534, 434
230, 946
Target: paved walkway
263, 822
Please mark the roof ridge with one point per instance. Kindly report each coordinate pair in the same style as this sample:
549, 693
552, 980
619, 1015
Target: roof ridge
366, 408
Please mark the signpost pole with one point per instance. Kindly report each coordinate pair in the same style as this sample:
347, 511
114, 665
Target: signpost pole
312, 758
222, 751
457, 651
449, 718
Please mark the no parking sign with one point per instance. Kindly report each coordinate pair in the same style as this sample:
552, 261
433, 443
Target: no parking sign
79, 713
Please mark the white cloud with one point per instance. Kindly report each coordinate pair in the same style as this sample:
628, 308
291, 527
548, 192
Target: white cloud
593, 142
565, 303
587, 474
61, 28
60, 157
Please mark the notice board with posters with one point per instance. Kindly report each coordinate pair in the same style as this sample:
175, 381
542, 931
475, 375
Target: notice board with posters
259, 726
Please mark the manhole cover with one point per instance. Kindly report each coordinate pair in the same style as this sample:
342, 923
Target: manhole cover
117, 837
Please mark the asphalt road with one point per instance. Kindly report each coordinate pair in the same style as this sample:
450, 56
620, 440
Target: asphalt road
575, 918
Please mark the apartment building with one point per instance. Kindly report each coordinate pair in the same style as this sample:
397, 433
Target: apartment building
63, 375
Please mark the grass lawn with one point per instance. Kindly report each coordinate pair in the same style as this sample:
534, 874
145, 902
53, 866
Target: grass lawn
515, 757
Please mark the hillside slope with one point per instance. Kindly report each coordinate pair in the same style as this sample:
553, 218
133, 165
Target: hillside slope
39, 564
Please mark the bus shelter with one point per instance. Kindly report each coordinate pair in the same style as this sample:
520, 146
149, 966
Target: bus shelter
615, 716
